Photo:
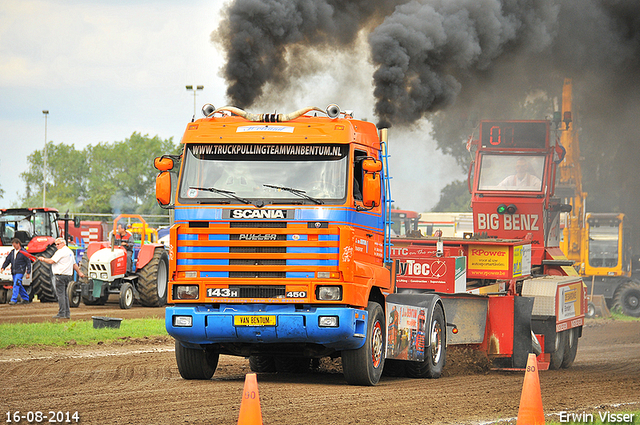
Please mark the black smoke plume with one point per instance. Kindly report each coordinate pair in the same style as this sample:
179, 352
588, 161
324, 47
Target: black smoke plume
457, 61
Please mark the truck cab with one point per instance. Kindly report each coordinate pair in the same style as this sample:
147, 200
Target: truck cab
278, 248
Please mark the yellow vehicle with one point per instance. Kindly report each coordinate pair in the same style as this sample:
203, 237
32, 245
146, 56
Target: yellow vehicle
136, 229
598, 243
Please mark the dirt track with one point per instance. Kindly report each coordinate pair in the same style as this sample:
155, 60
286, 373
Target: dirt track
137, 382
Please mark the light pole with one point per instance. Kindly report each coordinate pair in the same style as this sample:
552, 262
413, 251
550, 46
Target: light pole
44, 169
194, 90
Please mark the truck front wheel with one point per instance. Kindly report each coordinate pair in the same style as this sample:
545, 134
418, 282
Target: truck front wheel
196, 363
364, 365
435, 349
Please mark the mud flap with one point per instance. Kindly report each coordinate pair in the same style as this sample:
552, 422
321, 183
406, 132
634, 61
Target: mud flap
545, 325
469, 313
522, 326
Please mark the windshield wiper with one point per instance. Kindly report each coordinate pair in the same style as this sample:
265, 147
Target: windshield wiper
230, 194
300, 193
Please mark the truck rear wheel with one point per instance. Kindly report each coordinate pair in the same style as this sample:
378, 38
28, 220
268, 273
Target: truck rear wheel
42, 278
557, 356
364, 365
435, 350
627, 297
292, 364
196, 363
571, 349
262, 364
153, 280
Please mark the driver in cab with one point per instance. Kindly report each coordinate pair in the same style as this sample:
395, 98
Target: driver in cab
523, 178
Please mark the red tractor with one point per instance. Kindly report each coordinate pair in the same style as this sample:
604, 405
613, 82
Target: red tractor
37, 229
105, 267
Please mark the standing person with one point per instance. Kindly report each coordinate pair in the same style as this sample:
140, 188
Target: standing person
124, 238
62, 265
20, 267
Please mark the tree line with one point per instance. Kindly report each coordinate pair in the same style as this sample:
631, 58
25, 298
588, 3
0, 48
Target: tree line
116, 177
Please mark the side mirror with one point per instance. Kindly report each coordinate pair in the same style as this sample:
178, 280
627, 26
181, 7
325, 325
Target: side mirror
76, 222
163, 189
371, 185
371, 166
163, 163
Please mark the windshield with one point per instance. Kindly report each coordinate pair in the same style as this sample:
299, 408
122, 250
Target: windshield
241, 170
603, 246
511, 172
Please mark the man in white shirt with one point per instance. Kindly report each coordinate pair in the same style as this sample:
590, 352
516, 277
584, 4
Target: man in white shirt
522, 178
62, 265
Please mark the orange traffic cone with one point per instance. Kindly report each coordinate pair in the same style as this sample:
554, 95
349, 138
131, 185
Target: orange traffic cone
250, 413
530, 412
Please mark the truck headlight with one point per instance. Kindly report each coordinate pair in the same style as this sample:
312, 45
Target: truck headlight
186, 292
103, 275
93, 275
329, 293
182, 321
328, 321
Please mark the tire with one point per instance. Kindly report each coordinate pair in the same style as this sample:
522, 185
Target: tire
42, 277
591, 311
435, 350
84, 268
292, 364
153, 280
195, 363
126, 296
571, 349
262, 364
363, 366
557, 356
73, 292
627, 297
3, 296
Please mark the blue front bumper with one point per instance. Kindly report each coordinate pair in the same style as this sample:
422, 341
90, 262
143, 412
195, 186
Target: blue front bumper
215, 324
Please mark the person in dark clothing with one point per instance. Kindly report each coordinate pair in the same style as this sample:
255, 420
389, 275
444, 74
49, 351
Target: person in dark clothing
20, 264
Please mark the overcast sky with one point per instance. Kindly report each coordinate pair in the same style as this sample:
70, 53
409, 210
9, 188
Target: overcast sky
105, 69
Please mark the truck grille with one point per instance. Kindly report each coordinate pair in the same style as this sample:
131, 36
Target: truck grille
260, 291
249, 250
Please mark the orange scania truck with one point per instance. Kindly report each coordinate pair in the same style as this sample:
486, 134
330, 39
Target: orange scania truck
281, 252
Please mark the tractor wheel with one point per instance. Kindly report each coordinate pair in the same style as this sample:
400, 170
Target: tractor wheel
196, 363
153, 280
435, 350
73, 291
42, 277
126, 296
363, 366
262, 364
84, 268
292, 364
571, 348
3, 296
627, 297
557, 357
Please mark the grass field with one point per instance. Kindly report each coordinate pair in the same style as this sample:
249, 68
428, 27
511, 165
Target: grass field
79, 332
